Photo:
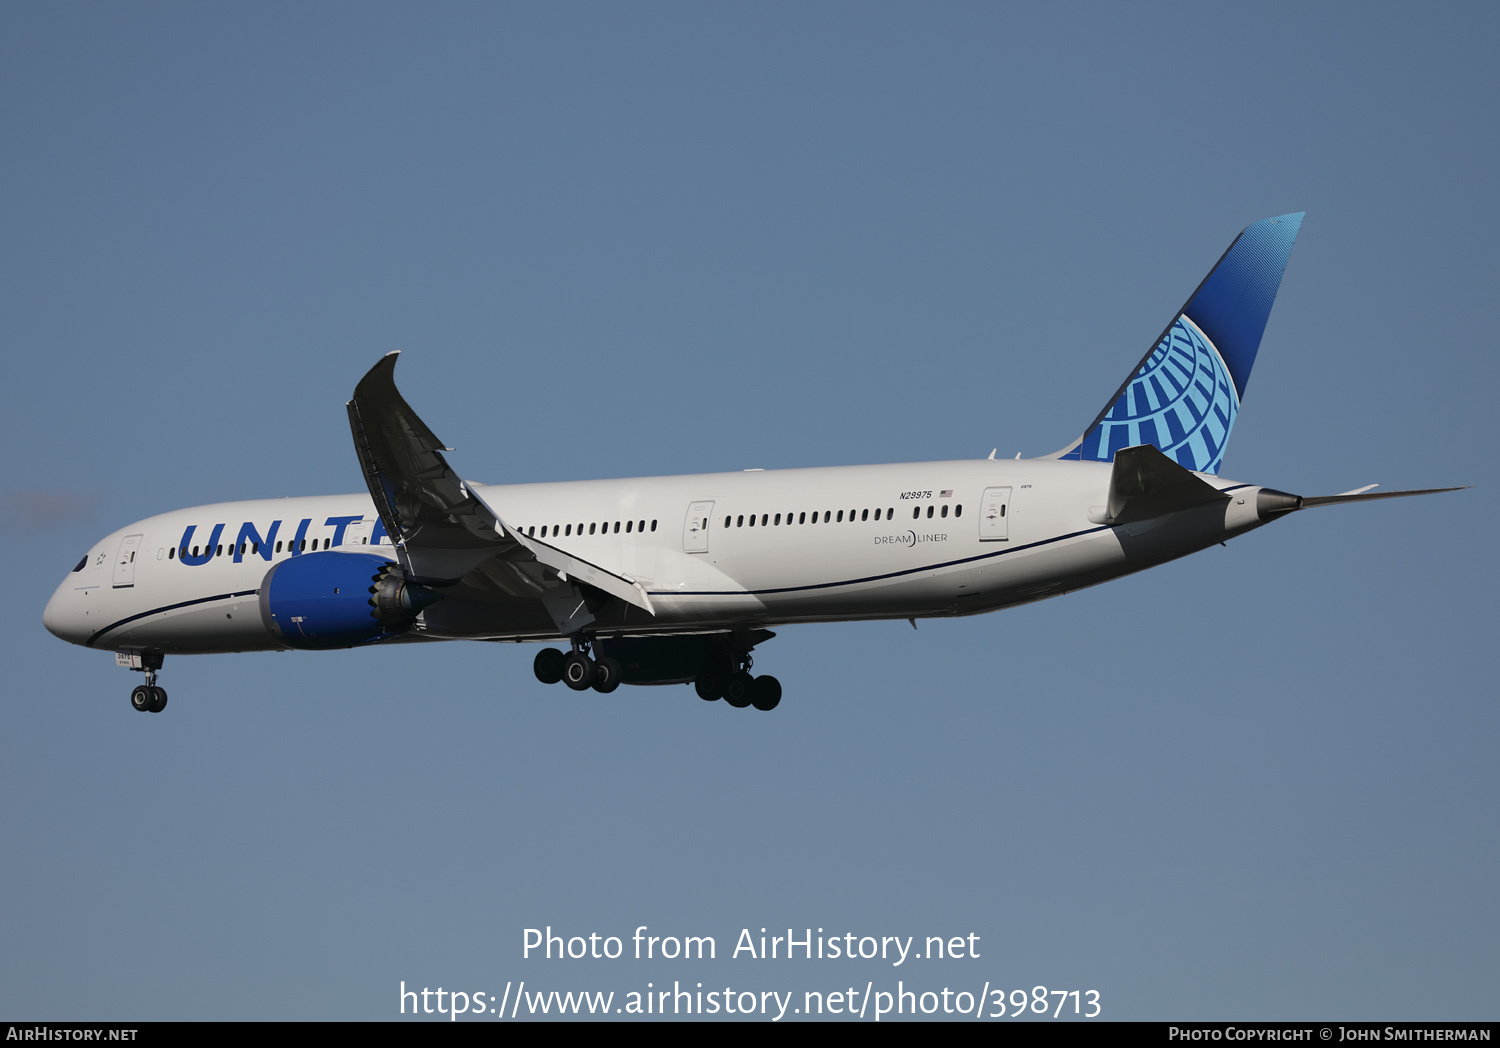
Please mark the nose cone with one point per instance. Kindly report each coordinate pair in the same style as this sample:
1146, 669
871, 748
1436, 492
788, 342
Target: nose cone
61, 616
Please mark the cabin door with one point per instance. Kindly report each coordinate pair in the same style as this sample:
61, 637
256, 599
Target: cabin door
695, 527
994, 515
125, 562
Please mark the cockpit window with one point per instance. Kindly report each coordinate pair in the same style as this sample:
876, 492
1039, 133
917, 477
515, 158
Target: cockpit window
82, 563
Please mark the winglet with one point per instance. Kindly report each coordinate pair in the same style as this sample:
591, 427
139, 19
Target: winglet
412, 485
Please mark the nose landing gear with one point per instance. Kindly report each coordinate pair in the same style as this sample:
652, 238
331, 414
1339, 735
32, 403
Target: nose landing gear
148, 698
144, 698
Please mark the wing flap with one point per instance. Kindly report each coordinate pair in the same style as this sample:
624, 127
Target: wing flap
571, 567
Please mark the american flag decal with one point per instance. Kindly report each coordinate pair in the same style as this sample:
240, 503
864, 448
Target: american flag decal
946, 493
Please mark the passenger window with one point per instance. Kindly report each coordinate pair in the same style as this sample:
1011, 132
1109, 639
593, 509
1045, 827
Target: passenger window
617, 527
170, 553
628, 523
653, 525
929, 512
802, 518
591, 528
826, 514
778, 520
841, 517
568, 530
763, 518
864, 515
752, 520
958, 510
945, 511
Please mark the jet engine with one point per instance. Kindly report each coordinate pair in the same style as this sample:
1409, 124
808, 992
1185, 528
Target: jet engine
339, 600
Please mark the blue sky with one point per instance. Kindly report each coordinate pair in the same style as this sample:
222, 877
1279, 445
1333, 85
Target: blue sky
622, 240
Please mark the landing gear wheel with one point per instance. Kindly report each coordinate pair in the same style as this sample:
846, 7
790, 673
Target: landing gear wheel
548, 665
710, 683
739, 690
767, 693
158, 699
607, 672
579, 672
142, 699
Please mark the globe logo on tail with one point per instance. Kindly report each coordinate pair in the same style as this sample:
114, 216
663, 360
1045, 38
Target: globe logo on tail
1182, 401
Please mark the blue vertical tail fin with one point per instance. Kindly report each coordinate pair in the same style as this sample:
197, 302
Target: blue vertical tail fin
1184, 395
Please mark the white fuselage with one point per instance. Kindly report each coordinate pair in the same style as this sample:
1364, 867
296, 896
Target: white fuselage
827, 544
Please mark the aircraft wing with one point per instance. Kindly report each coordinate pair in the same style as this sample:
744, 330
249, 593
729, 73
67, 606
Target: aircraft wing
445, 533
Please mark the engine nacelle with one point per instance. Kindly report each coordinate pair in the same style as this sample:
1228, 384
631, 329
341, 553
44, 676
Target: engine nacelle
338, 600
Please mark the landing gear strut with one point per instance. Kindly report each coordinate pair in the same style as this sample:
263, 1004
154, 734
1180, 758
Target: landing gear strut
144, 698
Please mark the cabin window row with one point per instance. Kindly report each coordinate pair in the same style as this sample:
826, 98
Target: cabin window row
825, 516
958, 511
301, 546
596, 528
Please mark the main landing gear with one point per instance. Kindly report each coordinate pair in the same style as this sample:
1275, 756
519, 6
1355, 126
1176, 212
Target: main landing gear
576, 669
737, 687
721, 661
145, 698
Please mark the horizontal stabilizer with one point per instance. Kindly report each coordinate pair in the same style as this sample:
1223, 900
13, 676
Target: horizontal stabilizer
1270, 502
1145, 484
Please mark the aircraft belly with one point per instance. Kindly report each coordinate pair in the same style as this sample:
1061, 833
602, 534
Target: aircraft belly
227, 624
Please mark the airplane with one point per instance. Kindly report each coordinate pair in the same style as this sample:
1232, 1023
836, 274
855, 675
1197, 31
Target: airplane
676, 580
